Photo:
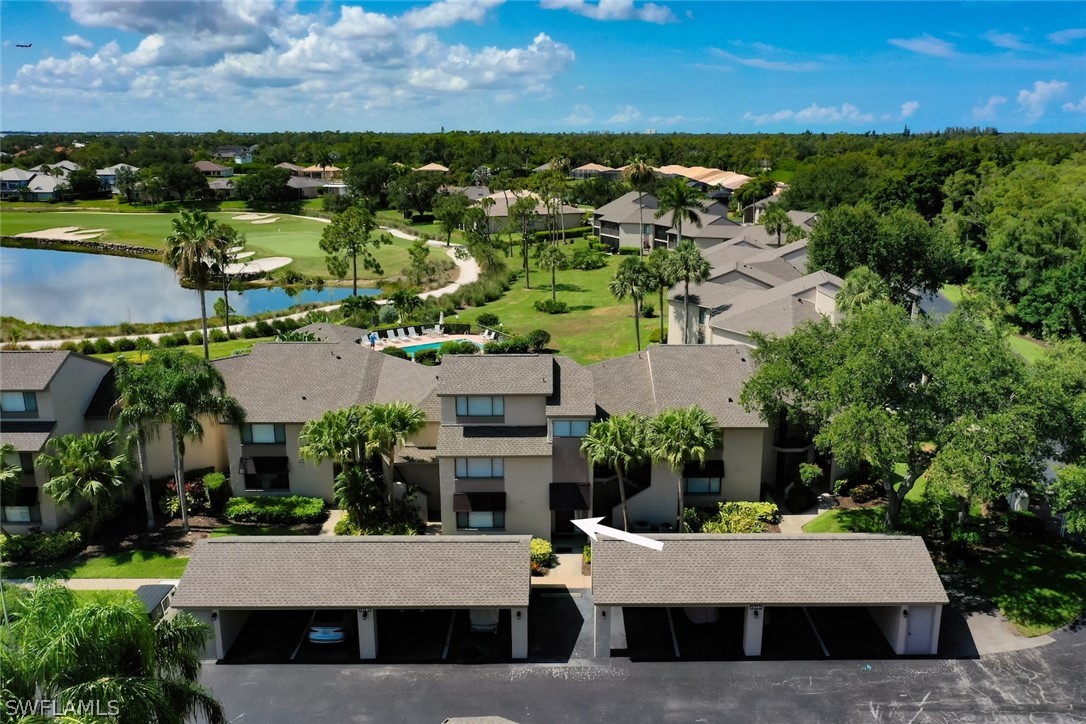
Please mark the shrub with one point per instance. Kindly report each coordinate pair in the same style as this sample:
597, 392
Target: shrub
388, 314
217, 490
144, 343
487, 319
126, 328
458, 347
125, 344
177, 339
551, 306
40, 547
396, 352
287, 510
218, 335
335, 203
196, 338
538, 570
543, 554
69, 345
103, 346
655, 338
587, 260
809, 473
196, 499
538, 339
511, 345
741, 517
250, 332
648, 310
428, 357
586, 554
265, 329
866, 492
290, 276
87, 347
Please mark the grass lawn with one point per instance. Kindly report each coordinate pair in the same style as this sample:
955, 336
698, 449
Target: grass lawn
105, 596
294, 236
236, 529
1025, 346
598, 326
217, 350
130, 564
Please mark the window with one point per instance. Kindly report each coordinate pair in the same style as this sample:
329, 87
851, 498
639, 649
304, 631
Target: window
703, 486
480, 467
265, 473
263, 434
703, 316
22, 507
570, 428
18, 402
482, 519
480, 406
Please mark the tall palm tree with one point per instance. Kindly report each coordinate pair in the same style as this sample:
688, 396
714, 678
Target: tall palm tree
406, 301
190, 252
775, 220
619, 442
639, 172
107, 654
631, 279
225, 243
188, 389
683, 203
688, 265
661, 270
138, 411
84, 468
11, 474
677, 437
861, 288
337, 435
388, 425
551, 257
560, 167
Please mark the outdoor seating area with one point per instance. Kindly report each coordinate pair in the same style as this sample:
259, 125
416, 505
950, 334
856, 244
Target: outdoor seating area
419, 335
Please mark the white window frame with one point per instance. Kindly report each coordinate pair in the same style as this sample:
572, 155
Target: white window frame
474, 467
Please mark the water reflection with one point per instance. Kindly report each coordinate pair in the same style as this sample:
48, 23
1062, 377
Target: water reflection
56, 287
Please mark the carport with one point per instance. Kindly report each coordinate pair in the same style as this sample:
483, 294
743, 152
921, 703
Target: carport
742, 578
228, 579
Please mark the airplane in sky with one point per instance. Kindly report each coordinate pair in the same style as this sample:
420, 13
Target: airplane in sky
19, 45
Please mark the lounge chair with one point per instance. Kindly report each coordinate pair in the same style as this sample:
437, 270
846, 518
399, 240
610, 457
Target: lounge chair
412, 333
400, 334
486, 335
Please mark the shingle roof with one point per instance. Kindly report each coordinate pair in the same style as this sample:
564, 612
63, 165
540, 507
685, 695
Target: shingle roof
335, 332
357, 572
769, 569
26, 435
672, 376
16, 174
624, 210
778, 310
574, 390
496, 374
30, 371
433, 167
493, 441
207, 166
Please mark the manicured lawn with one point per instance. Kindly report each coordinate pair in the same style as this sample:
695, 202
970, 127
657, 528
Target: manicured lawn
598, 326
236, 529
294, 236
130, 564
217, 350
106, 596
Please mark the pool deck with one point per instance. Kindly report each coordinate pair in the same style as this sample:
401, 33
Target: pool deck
427, 339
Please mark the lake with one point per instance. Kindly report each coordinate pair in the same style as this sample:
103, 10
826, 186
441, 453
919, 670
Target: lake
71, 288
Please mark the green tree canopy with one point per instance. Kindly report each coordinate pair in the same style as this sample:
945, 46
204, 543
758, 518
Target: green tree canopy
348, 239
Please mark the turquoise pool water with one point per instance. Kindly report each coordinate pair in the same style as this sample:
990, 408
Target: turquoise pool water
434, 345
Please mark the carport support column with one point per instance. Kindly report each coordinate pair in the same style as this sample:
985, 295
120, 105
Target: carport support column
518, 618
753, 619
220, 648
601, 633
367, 633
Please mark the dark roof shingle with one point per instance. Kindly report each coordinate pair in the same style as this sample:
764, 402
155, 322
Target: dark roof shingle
496, 374
30, 370
493, 440
26, 435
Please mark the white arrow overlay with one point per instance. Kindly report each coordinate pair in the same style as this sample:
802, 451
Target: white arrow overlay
592, 528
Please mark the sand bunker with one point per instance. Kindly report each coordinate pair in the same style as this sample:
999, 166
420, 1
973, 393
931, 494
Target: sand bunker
244, 255
249, 217
258, 265
63, 233
235, 249
267, 221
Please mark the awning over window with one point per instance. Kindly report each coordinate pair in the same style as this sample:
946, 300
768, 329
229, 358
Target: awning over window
24, 496
711, 469
570, 496
478, 502
252, 466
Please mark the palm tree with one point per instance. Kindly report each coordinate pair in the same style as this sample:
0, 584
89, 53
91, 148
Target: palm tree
631, 279
405, 301
619, 442
388, 425
677, 437
775, 220
10, 474
225, 244
337, 435
661, 270
107, 654
358, 495
688, 265
861, 288
191, 252
138, 410
683, 203
639, 173
551, 257
188, 389
84, 468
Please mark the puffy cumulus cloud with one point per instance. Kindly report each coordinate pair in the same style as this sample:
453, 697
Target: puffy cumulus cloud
813, 114
614, 10
78, 42
624, 114
925, 45
1079, 107
1034, 102
908, 108
989, 109
765, 63
344, 58
581, 115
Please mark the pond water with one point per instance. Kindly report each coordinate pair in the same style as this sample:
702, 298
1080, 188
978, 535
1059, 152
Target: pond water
71, 288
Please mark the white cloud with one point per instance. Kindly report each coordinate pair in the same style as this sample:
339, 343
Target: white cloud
1065, 37
78, 42
1079, 107
446, 13
813, 114
1009, 41
1033, 102
764, 64
614, 10
908, 108
624, 114
582, 115
925, 45
989, 109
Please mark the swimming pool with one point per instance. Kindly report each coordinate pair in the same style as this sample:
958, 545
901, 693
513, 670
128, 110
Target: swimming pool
412, 349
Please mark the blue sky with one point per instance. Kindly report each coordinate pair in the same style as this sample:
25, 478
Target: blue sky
553, 65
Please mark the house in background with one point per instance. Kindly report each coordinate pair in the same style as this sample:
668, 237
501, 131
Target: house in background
616, 223
213, 170
108, 176
498, 212
591, 170
13, 181
292, 167
45, 187
237, 154
221, 188
306, 188
61, 168
325, 173
433, 167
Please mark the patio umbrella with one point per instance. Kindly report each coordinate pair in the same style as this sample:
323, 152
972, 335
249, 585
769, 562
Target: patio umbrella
441, 318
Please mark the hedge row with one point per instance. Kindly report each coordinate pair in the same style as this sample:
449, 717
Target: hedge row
286, 510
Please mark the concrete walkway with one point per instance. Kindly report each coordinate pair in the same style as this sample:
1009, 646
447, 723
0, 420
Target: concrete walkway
96, 584
792, 524
329, 527
567, 573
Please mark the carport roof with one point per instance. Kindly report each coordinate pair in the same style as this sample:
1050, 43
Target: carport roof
767, 569
357, 572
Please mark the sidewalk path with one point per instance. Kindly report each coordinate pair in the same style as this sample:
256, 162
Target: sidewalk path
567, 573
96, 584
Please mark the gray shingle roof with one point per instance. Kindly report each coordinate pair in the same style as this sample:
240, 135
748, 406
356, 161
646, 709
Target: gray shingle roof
26, 435
357, 572
778, 310
769, 569
492, 441
498, 374
624, 209
32, 371
574, 390
624, 385
329, 332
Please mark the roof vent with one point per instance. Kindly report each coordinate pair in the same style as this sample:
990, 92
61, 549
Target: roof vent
729, 399
303, 397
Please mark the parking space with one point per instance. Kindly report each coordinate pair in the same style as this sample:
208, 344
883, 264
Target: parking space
269, 637
479, 647
557, 628
849, 632
787, 634
709, 634
648, 634
412, 635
